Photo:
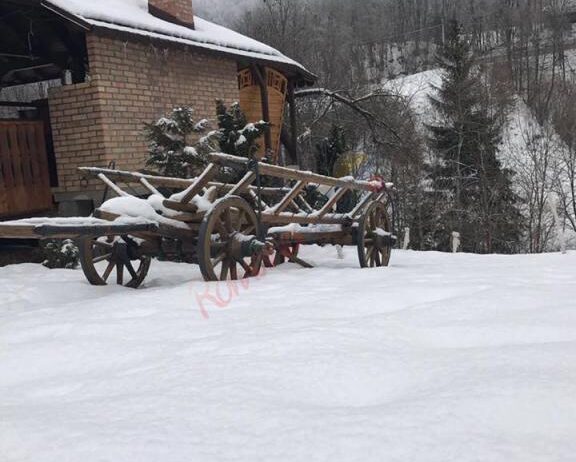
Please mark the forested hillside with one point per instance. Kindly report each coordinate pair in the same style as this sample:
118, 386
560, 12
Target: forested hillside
520, 75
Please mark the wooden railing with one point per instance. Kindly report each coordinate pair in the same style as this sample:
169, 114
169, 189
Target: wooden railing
24, 174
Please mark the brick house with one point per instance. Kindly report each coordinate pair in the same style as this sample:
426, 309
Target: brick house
79, 78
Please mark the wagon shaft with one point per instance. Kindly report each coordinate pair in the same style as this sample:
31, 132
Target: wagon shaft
57, 228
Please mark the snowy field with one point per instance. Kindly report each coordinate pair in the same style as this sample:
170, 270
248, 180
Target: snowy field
438, 358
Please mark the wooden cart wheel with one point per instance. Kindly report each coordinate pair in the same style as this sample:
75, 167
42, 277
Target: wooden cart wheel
225, 241
103, 256
374, 238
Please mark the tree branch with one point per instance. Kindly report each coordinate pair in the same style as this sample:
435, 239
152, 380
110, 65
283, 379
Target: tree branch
354, 104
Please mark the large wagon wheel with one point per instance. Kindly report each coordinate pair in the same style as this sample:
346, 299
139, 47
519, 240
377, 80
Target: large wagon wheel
227, 246
103, 256
374, 237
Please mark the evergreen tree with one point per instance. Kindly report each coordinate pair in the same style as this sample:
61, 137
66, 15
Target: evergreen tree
235, 135
330, 149
169, 144
467, 173
60, 254
176, 148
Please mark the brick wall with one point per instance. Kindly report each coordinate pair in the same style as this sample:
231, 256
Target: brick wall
131, 83
76, 117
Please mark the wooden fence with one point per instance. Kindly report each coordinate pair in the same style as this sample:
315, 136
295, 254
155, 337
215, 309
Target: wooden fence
24, 174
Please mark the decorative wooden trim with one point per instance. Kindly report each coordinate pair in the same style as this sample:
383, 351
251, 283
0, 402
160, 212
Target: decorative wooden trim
262, 83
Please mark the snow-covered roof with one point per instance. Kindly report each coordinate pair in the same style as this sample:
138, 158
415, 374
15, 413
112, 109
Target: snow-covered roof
132, 16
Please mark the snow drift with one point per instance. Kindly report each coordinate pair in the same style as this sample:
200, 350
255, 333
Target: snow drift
438, 358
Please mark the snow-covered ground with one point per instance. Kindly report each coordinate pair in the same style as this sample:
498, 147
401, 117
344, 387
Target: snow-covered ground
438, 358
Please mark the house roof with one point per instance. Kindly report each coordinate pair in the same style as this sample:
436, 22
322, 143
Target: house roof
132, 16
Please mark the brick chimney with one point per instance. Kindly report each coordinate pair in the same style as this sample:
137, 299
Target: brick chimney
176, 11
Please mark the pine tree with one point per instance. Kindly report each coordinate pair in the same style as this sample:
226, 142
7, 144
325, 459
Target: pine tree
330, 149
177, 149
235, 135
468, 174
60, 254
169, 144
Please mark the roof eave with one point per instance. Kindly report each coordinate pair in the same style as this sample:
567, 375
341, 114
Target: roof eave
296, 71
70, 17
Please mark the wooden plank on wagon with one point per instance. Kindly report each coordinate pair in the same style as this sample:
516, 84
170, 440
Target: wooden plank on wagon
367, 199
286, 218
243, 184
113, 186
180, 206
289, 174
17, 232
332, 202
284, 203
201, 182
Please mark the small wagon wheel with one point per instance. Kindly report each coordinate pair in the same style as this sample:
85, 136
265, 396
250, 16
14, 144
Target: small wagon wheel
227, 245
102, 256
374, 237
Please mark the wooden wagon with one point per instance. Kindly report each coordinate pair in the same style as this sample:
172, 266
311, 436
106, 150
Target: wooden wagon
229, 229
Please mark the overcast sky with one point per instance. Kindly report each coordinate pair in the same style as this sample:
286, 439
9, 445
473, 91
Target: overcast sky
223, 10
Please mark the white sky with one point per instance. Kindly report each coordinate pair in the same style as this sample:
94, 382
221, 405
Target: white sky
221, 10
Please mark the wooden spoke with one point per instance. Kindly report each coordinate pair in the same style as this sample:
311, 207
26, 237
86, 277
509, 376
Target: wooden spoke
108, 271
220, 254
377, 260
234, 270
119, 274
245, 266
287, 252
131, 270
94, 252
255, 265
103, 258
106, 245
219, 259
228, 221
224, 270
373, 252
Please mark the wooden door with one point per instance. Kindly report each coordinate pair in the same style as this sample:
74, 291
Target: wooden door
24, 173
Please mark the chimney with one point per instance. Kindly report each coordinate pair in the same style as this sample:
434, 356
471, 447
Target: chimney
176, 11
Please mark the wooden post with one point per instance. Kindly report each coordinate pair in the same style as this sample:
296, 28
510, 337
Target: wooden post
260, 73
294, 154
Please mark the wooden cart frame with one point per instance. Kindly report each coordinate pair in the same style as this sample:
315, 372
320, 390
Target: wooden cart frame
229, 229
